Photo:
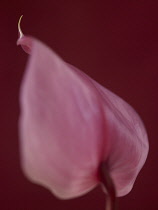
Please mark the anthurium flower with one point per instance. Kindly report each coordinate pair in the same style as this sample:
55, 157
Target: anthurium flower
69, 124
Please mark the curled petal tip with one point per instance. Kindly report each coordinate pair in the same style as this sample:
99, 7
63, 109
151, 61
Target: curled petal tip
24, 41
19, 28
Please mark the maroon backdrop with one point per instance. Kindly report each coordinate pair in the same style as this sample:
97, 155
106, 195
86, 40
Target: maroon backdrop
116, 43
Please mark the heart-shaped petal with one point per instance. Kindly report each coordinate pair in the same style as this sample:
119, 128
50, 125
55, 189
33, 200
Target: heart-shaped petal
69, 124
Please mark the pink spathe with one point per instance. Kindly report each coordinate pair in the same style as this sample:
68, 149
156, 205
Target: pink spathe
69, 124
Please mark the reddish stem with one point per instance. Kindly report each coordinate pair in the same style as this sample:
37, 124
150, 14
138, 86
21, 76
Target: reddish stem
109, 186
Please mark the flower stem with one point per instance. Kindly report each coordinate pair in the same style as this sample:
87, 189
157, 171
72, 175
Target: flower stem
109, 187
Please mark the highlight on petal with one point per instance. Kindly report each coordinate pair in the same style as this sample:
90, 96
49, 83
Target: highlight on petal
69, 124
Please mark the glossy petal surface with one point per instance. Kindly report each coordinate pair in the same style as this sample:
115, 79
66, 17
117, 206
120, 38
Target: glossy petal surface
69, 124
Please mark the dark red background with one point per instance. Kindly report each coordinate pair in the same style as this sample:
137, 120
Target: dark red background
116, 43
